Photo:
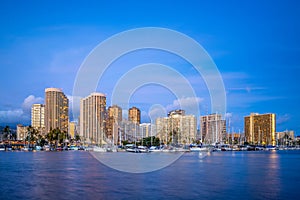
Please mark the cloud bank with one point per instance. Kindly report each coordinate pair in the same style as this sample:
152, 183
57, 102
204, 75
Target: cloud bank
22, 114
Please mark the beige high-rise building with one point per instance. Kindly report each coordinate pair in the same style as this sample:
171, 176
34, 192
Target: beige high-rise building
134, 115
162, 129
212, 129
177, 128
260, 128
72, 129
56, 110
38, 117
113, 123
92, 118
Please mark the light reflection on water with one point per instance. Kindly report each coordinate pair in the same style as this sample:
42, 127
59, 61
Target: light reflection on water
230, 175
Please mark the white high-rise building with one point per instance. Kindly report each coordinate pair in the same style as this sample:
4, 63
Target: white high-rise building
144, 130
38, 117
177, 128
92, 118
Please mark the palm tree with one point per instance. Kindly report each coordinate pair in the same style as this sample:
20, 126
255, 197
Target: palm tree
286, 139
77, 138
32, 135
53, 136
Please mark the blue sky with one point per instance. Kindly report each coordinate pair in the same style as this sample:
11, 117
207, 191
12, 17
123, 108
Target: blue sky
254, 44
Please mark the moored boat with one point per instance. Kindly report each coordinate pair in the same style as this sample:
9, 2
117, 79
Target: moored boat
2, 147
133, 150
99, 149
143, 149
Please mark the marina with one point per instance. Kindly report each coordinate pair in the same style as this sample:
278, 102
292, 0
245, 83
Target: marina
74, 174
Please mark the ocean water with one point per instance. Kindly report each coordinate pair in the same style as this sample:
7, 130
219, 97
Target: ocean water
221, 175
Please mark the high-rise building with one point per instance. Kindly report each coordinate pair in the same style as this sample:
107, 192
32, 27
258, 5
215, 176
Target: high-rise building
144, 130
287, 134
285, 137
134, 115
38, 117
260, 128
56, 110
128, 131
113, 122
22, 132
177, 128
212, 129
92, 118
72, 129
162, 129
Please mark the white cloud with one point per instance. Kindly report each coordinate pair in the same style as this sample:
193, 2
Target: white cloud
248, 89
11, 116
29, 101
157, 111
20, 115
186, 103
191, 105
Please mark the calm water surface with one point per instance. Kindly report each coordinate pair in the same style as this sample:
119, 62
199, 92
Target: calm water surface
78, 175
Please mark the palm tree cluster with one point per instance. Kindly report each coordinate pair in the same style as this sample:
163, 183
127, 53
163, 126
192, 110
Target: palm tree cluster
56, 137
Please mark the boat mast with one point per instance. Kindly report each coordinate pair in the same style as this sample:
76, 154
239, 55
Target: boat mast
216, 139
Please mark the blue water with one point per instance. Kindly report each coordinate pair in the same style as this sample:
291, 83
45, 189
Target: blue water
222, 175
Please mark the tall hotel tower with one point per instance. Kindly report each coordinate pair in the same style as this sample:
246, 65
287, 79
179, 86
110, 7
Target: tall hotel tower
113, 122
56, 110
92, 117
212, 129
38, 117
260, 128
177, 128
134, 115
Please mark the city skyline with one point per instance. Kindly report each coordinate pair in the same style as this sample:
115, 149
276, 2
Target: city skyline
254, 45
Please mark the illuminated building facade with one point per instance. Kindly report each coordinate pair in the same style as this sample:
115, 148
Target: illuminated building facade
72, 129
177, 128
92, 118
114, 119
38, 117
134, 115
56, 110
260, 128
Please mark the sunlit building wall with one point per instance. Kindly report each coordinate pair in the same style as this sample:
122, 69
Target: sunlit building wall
92, 118
72, 129
177, 128
113, 122
56, 110
134, 115
38, 117
260, 128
